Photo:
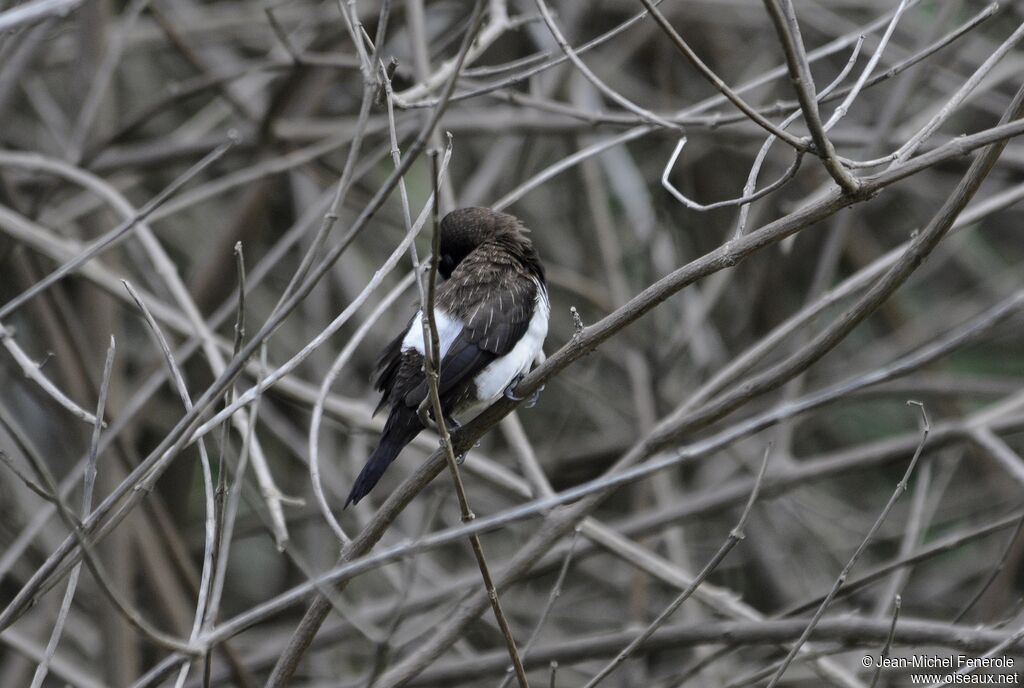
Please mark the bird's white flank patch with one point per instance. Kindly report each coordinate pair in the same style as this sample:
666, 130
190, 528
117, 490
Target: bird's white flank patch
448, 328
492, 380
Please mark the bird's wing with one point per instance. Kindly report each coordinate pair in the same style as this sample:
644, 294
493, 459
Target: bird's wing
388, 364
400, 364
497, 321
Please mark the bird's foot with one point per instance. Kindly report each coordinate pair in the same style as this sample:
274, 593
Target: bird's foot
426, 416
509, 390
510, 394
461, 458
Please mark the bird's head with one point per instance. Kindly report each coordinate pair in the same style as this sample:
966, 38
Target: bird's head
464, 229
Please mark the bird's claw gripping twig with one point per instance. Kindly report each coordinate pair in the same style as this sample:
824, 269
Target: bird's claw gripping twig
510, 394
426, 416
455, 425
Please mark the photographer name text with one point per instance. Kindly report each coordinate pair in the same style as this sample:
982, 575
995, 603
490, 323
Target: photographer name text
937, 662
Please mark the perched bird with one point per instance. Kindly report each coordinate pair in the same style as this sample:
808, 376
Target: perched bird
491, 313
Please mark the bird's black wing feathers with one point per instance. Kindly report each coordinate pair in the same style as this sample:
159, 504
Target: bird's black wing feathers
499, 323
388, 364
495, 301
458, 367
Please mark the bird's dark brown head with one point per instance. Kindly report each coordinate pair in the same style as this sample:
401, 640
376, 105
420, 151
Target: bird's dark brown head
464, 229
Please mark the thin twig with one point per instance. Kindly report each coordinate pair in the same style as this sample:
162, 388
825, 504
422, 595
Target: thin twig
26, 480
750, 197
998, 451
431, 370
87, 490
897, 603
206, 577
31, 370
34, 11
221, 494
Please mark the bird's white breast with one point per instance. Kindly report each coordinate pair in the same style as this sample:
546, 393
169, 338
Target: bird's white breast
492, 380
448, 328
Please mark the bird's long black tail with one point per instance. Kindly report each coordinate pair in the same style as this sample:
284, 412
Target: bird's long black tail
401, 427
